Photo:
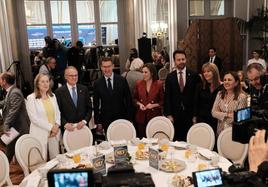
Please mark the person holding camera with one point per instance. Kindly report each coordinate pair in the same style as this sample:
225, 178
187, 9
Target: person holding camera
258, 150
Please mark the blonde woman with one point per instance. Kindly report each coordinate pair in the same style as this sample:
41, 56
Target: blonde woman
44, 114
206, 93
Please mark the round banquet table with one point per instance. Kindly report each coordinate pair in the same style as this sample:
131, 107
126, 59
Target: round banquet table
160, 178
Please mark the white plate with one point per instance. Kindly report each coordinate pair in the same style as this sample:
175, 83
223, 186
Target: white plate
172, 165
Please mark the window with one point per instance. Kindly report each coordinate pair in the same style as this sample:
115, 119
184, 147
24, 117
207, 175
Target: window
108, 20
61, 27
91, 16
108, 34
87, 34
36, 23
217, 8
60, 12
85, 11
206, 8
197, 8
108, 10
36, 36
35, 12
86, 22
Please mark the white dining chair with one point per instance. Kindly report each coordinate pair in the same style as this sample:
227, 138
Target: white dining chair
29, 149
4, 171
202, 135
160, 127
230, 149
121, 129
77, 139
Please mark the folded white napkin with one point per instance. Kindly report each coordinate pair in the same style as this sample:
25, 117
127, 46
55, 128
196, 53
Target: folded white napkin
179, 144
105, 145
118, 142
149, 140
206, 153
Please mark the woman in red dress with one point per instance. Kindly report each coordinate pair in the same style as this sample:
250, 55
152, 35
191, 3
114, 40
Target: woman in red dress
148, 98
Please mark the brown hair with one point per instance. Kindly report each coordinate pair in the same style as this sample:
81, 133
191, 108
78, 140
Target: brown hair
8, 77
36, 86
152, 70
105, 59
216, 81
256, 66
178, 51
237, 89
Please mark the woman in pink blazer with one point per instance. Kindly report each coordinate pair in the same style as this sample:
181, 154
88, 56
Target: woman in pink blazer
148, 98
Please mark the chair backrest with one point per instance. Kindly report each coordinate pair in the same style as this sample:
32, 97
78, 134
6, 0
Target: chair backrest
162, 73
234, 151
202, 135
160, 127
24, 148
121, 129
4, 171
77, 139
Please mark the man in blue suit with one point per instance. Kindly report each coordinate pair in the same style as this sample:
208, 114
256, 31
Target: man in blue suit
74, 102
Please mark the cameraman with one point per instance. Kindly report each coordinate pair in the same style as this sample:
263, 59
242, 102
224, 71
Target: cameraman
257, 85
258, 150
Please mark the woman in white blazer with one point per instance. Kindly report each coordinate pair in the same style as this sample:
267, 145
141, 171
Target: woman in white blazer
43, 110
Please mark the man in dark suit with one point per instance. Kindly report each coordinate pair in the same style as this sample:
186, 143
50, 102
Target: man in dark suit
179, 95
74, 102
112, 99
213, 58
14, 111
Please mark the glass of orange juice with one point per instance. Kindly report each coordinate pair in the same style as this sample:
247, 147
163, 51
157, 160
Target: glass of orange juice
76, 158
164, 147
141, 146
188, 154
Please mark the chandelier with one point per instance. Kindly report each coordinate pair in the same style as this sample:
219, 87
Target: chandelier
159, 29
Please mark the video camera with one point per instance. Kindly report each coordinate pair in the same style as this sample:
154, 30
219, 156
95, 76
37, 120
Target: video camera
247, 121
121, 174
215, 177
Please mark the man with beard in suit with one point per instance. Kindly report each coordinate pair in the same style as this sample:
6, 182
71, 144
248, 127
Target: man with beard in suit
14, 111
179, 95
112, 99
74, 102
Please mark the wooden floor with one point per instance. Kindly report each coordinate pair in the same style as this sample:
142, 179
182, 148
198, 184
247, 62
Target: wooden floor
15, 171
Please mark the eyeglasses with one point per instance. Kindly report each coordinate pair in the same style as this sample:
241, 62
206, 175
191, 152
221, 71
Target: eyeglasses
255, 79
73, 75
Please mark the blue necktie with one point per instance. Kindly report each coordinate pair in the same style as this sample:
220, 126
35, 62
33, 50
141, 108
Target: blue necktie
74, 96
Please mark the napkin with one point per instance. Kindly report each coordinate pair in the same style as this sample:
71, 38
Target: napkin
149, 140
180, 144
118, 142
206, 153
105, 145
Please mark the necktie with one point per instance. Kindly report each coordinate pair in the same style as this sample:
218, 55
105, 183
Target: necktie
110, 88
181, 81
211, 58
74, 96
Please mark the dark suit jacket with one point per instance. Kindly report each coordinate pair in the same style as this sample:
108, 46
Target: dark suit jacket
111, 106
14, 115
69, 113
155, 95
145, 49
14, 111
217, 62
180, 104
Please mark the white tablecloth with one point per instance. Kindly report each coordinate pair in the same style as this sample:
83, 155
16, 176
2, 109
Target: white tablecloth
160, 178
